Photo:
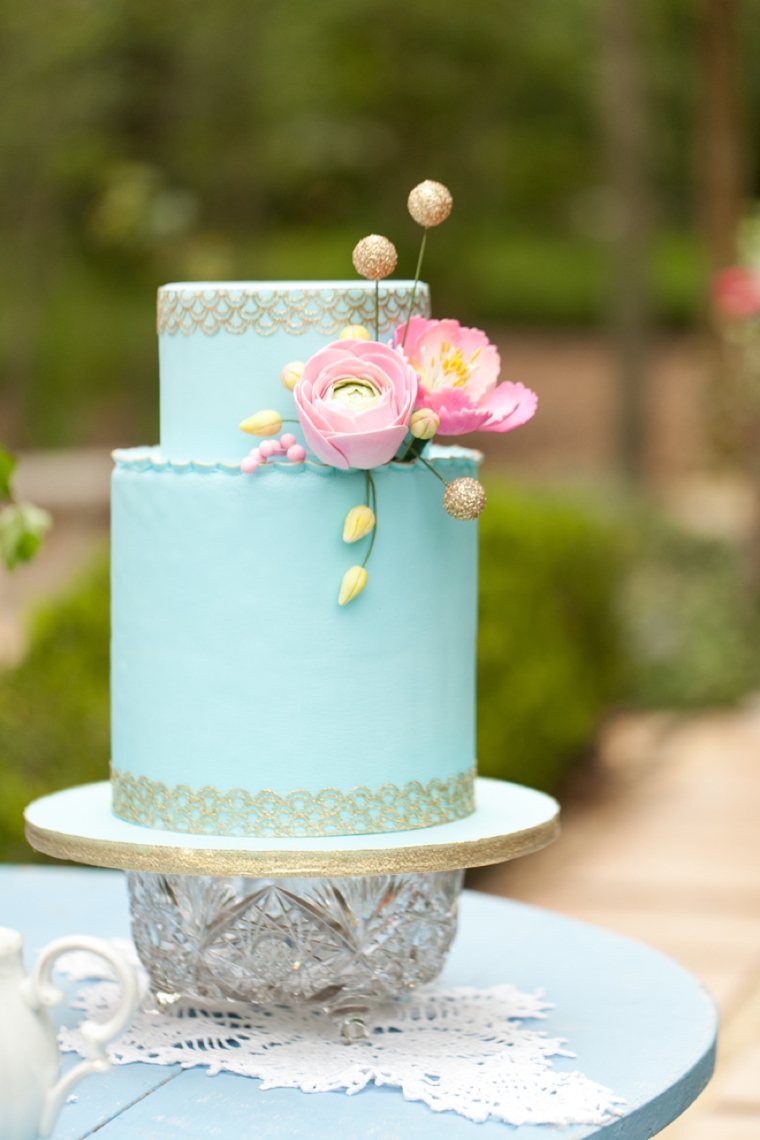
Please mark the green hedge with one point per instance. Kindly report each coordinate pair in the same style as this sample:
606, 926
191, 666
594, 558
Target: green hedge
690, 613
550, 645
581, 608
54, 707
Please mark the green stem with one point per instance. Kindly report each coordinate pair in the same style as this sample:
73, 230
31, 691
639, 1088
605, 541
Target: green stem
377, 310
373, 508
414, 450
431, 468
416, 283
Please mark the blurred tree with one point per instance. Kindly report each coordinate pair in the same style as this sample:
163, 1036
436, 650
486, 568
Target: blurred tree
628, 161
722, 151
142, 142
723, 194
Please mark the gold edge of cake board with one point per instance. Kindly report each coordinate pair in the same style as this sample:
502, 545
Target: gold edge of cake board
291, 863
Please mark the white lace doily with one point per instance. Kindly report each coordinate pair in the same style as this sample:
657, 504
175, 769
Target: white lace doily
458, 1049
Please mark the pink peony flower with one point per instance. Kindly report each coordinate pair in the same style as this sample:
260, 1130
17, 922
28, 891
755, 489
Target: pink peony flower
354, 400
458, 370
736, 292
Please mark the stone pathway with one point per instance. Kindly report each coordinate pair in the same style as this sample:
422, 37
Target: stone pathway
661, 843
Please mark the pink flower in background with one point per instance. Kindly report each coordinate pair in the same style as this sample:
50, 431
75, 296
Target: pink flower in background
354, 401
736, 292
458, 370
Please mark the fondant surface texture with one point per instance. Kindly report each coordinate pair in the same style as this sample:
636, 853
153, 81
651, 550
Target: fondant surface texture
233, 667
245, 700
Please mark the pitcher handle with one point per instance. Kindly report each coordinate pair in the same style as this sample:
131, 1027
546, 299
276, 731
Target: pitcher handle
38, 989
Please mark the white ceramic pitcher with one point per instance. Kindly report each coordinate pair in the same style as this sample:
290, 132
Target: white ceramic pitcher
31, 1096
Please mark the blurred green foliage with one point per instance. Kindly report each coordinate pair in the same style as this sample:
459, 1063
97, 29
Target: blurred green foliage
690, 610
22, 525
550, 645
582, 608
143, 142
54, 706
585, 606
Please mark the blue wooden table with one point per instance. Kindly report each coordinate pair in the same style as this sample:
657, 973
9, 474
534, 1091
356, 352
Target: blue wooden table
637, 1022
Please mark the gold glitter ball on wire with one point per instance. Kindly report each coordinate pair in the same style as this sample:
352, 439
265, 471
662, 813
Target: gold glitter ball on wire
430, 203
375, 257
465, 499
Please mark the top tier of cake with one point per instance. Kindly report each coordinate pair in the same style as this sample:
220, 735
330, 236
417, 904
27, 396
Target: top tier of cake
222, 346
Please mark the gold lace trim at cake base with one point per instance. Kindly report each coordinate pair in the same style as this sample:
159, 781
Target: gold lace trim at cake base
328, 311
271, 815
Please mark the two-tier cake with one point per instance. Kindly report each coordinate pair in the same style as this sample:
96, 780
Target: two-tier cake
294, 623
246, 700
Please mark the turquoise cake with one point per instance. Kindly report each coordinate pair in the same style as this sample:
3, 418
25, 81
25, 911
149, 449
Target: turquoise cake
245, 700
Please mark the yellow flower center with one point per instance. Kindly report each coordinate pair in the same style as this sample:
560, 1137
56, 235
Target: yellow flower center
450, 369
355, 394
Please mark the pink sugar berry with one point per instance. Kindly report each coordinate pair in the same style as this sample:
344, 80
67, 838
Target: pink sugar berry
249, 465
287, 441
267, 447
296, 453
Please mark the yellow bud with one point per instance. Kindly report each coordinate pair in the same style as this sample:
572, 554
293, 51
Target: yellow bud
355, 332
354, 581
291, 374
263, 423
359, 522
424, 423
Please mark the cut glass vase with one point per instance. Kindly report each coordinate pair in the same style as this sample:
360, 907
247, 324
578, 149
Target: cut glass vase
336, 944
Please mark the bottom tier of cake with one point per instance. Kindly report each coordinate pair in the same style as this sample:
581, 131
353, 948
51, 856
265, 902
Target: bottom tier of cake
245, 699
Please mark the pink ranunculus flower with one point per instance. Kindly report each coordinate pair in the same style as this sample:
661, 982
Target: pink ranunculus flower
736, 292
458, 370
354, 401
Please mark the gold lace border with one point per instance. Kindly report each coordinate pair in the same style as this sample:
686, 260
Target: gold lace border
296, 311
271, 815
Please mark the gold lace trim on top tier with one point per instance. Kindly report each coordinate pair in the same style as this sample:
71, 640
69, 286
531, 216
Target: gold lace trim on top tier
294, 310
269, 814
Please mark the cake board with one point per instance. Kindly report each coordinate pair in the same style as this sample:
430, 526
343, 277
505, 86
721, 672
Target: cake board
78, 825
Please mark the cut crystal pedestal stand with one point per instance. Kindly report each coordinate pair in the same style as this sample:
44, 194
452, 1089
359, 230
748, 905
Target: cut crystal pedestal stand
335, 944
335, 923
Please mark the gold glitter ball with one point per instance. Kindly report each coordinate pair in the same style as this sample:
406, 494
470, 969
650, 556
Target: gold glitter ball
465, 499
375, 257
430, 203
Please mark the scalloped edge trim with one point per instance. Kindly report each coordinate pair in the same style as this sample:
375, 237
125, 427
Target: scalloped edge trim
150, 459
292, 307
268, 814
159, 851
